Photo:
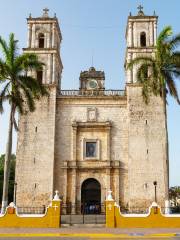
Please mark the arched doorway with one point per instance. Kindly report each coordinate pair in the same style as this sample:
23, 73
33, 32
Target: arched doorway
91, 196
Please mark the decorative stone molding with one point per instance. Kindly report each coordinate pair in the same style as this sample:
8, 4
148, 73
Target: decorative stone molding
92, 114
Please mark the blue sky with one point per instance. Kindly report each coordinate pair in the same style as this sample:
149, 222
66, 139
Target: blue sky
93, 27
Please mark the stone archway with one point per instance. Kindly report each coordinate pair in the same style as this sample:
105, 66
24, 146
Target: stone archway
91, 196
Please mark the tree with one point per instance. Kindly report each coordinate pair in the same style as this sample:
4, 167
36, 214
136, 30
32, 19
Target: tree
174, 192
11, 176
20, 90
157, 73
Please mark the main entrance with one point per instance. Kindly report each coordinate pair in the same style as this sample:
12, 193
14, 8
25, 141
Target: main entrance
91, 196
90, 211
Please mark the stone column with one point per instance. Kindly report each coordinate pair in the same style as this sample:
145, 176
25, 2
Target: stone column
109, 141
45, 40
65, 186
48, 40
155, 32
53, 35
128, 71
74, 136
73, 191
130, 35
108, 179
116, 183
108, 170
134, 70
29, 35
53, 68
151, 34
33, 36
73, 173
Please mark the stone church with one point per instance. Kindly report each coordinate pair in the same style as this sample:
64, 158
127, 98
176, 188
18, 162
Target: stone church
87, 141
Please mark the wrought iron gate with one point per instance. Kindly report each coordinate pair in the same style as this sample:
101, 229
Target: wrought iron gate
81, 215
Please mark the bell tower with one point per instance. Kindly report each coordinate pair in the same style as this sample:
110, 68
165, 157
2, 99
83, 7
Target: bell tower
44, 39
36, 140
147, 144
141, 35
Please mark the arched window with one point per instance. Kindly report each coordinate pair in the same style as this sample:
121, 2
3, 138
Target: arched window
143, 39
41, 40
40, 76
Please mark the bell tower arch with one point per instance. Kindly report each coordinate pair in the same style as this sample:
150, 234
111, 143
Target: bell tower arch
44, 39
141, 34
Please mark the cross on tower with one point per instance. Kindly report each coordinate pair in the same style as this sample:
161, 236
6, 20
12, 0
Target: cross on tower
140, 8
45, 12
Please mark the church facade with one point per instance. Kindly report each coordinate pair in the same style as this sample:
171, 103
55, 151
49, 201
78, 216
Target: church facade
85, 142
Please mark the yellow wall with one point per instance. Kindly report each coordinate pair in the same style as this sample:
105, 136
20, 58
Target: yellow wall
154, 220
51, 219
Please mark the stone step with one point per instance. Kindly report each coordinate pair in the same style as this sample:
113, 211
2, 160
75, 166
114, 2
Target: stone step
86, 225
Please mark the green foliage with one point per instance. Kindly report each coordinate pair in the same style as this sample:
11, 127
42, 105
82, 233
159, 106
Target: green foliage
157, 73
174, 192
11, 177
19, 89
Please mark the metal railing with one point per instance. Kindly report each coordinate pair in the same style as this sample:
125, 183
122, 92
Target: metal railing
171, 210
70, 208
31, 210
82, 214
144, 210
134, 210
92, 93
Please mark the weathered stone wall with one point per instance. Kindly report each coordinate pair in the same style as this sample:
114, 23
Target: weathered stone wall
147, 149
35, 154
137, 149
74, 109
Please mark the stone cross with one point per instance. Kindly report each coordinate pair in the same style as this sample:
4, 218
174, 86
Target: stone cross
45, 12
140, 7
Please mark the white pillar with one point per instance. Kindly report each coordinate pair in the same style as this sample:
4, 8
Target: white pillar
167, 207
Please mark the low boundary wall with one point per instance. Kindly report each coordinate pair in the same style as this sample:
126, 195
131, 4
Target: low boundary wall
154, 219
51, 219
